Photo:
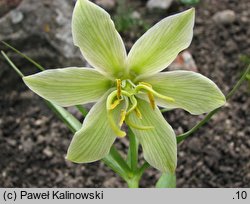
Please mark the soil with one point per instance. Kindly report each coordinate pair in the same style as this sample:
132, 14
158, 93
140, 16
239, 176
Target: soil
33, 142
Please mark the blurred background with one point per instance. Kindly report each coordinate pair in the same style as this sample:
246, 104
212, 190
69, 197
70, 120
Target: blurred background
33, 142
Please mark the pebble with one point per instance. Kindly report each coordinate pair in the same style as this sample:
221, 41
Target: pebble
159, 4
225, 17
16, 17
136, 15
12, 142
184, 61
47, 151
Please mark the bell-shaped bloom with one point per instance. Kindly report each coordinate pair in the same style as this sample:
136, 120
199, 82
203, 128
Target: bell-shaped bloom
127, 88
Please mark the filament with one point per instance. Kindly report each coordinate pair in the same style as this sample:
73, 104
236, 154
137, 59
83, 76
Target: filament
149, 89
139, 127
119, 88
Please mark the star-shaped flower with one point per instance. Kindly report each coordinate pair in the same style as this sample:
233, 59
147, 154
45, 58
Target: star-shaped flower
127, 88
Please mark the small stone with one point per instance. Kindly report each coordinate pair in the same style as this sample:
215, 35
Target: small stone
12, 142
184, 61
136, 15
225, 17
159, 4
195, 145
16, 17
27, 145
47, 151
107, 4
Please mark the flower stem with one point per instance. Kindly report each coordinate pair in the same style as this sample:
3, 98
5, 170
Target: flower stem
133, 183
183, 136
132, 151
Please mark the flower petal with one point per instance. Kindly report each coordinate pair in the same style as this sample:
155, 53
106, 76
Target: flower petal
159, 144
160, 45
95, 34
191, 91
94, 140
68, 86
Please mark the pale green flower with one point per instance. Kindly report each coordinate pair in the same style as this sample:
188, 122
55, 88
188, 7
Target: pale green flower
127, 88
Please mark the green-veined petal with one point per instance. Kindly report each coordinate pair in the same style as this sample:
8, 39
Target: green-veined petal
95, 34
94, 140
160, 45
158, 144
68, 86
191, 91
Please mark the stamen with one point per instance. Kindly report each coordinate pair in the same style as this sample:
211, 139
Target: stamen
146, 84
138, 113
151, 99
109, 104
119, 88
139, 127
114, 126
116, 103
134, 104
123, 116
147, 88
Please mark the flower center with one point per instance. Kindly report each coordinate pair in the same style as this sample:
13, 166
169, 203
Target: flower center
126, 94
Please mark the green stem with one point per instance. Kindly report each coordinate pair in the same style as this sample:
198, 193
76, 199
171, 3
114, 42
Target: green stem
133, 183
209, 115
83, 111
238, 84
132, 151
12, 64
111, 162
120, 161
24, 56
145, 166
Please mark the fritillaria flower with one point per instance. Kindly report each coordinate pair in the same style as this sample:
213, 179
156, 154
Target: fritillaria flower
127, 89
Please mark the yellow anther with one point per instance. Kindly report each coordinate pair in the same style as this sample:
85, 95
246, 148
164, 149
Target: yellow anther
138, 113
123, 116
119, 88
114, 104
151, 100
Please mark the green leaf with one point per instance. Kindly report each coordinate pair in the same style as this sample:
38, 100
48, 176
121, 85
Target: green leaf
94, 140
166, 181
191, 91
160, 45
95, 34
68, 86
158, 144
